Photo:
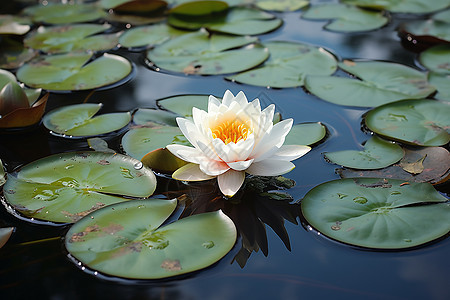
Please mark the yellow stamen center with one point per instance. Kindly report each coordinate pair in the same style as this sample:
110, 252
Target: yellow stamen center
231, 131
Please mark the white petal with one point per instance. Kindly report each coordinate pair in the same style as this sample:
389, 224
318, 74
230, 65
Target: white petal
230, 182
186, 153
241, 99
190, 172
199, 116
213, 168
208, 150
290, 152
189, 130
240, 165
270, 143
228, 98
213, 104
270, 167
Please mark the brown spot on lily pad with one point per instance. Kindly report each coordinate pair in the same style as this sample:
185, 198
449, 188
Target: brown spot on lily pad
171, 265
77, 216
103, 162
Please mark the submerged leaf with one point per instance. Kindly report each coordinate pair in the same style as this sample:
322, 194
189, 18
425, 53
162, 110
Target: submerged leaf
414, 167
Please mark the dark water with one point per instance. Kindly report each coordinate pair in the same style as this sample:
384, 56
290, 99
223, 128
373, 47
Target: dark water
315, 268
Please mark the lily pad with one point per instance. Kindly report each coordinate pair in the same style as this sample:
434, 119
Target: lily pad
131, 234
72, 38
183, 104
425, 32
146, 116
377, 213
377, 154
201, 53
74, 71
139, 141
78, 120
281, 5
436, 59
162, 160
65, 187
418, 122
442, 84
199, 8
288, 65
65, 13
148, 36
406, 6
435, 163
10, 24
381, 82
13, 54
237, 21
140, 7
346, 18
306, 134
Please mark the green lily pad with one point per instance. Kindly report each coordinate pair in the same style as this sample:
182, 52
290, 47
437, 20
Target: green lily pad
346, 18
306, 134
419, 122
281, 5
288, 65
13, 54
65, 13
442, 84
200, 53
199, 8
146, 116
131, 234
436, 59
10, 24
237, 21
381, 82
139, 141
435, 162
405, 6
107, 4
65, 187
72, 38
163, 161
377, 154
377, 213
74, 71
183, 104
78, 120
140, 7
148, 36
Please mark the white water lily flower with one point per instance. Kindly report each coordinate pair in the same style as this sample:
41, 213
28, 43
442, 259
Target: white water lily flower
233, 138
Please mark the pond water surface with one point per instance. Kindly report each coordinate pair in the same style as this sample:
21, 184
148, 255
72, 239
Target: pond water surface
314, 268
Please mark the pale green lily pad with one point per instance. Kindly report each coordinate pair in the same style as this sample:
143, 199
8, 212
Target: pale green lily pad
78, 120
419, 122
288, 65
200, 53
405, 6
442, 84
139, 141
238, 21
148, 36
281, 5
377, 213
107, 4
381, 82
65, 187
436, 59
131, 234
306, 134
74, 71
377, 154
65, 13
72, 38
346, 18
443, 16
10, 24
146, 116
183, 104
